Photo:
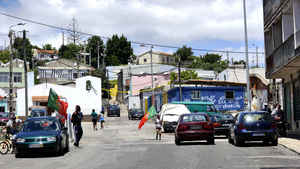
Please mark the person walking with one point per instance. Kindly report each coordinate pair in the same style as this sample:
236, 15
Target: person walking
158, 125
76, 120
101, 119
94, 119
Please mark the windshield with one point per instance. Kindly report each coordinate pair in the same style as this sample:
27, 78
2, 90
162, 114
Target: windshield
114, 106
4, 115
40, 125
194, 118
254, 117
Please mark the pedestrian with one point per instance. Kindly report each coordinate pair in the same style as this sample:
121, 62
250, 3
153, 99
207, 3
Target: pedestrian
101, 119
76, 120
94, 119
158, 125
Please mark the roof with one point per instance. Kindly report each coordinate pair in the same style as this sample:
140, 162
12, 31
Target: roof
52, 52
155, 52
211, 82
65, 64
194, 103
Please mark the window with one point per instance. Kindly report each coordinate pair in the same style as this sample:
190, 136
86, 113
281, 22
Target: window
4, 77
196, 94
145, 60
229, 94
18, 77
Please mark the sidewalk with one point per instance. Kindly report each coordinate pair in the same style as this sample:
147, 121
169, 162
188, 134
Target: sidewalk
292, 142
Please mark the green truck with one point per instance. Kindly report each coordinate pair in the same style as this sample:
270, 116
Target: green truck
201, 106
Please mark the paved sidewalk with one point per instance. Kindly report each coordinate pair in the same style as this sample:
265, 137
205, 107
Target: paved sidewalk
292, 142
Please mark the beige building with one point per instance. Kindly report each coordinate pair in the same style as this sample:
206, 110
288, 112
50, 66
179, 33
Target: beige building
157, 57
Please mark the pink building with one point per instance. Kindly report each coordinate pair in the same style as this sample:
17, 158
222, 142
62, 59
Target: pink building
145, 82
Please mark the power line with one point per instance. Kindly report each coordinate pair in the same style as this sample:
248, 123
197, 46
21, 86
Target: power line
105, 37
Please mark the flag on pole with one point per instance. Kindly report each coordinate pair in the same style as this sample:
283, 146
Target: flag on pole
149, 115
55, 103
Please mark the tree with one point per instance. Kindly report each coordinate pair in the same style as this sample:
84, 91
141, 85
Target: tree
210, 62
48, 47
185, 75
74, 36
4, 56
95, 43
118, 48
18, 45
69, 52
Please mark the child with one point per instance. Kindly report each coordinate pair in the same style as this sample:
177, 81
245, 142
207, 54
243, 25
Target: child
101, 120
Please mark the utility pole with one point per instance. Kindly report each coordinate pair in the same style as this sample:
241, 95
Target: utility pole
98, 56
153, 99
11, 36
130, 76
227, 55
63, 38
247, 59
90, 59
257, 56
179, 79
25, 73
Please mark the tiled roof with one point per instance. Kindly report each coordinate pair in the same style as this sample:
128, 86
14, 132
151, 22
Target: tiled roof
52, 52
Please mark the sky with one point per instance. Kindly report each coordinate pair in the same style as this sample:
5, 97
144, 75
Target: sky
202, 24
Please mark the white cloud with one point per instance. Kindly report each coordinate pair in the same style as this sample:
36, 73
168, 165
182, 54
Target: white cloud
168, 21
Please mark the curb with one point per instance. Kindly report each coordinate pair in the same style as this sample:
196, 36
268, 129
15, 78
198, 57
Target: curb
289, 148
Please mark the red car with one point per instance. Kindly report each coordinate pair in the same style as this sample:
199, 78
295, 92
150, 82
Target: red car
193, 127
4, 117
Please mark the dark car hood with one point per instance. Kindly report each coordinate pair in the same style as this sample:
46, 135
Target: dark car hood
37, 134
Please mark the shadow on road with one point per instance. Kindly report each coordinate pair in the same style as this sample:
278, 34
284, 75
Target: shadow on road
220, 137
195, 143
255, 144
39, 155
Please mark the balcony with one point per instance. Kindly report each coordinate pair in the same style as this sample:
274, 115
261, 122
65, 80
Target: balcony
280, 57
272, 9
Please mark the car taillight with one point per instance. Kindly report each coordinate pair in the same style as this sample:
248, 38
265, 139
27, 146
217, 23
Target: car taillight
274, 125
241, 126
182, 127
208, 126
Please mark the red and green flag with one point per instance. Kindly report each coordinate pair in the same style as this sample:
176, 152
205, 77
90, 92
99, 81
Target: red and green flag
149, 115
55, 103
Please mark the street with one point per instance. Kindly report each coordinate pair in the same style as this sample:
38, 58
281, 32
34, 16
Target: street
121, 146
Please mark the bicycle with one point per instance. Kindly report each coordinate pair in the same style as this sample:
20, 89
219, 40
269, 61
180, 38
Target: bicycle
6, 145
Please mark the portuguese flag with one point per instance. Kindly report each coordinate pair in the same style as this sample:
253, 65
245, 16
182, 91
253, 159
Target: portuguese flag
55, 103
149, 115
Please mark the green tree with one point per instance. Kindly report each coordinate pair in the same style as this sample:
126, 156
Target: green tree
4, 56
18, 45
92, 46
183, 53
48, 47
185, 75
118, 47
210, 62
69, 51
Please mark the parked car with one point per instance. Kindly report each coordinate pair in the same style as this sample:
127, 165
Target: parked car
253, 126
169, 115
113, 110
135, 114
4, 117
199, 106
196, 126
42, 134
223, 122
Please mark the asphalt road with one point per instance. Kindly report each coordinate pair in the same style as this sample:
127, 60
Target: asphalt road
121, 146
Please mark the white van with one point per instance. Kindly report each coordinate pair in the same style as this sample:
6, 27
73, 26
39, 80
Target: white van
169, 115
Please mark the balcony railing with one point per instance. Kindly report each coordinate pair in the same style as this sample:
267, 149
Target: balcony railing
271, 7
281, 56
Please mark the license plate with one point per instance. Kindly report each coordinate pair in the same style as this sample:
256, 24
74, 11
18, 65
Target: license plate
36, 145
196, 127
258, 134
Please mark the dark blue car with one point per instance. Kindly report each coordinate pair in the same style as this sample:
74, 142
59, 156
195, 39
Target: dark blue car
253, 126
42, 134
113, 110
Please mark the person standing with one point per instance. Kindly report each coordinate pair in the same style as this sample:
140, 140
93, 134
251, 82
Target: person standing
158, 125
94, 119
101, 119
76, 120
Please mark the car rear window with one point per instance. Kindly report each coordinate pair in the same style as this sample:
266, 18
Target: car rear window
194, 118
253, 117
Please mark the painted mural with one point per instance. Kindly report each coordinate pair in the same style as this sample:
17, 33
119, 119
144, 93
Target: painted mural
215, 95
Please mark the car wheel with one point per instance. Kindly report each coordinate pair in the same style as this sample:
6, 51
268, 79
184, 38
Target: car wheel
211, 140
230, 141
4, 148
237, 141
275, 142
177, 141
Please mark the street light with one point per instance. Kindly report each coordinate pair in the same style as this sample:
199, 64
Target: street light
11, 36
247, 57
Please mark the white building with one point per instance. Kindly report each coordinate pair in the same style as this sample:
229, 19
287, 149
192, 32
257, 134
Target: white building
78, 95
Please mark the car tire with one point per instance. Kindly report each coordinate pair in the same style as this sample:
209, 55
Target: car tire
238, 142
275, 142
177, 141
211, 140
230, 141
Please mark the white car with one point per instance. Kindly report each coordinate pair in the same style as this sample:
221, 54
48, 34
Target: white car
169, 115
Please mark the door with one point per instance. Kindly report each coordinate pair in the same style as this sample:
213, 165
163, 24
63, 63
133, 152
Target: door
296, 100
287, 102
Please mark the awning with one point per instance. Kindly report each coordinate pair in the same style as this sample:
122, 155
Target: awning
40, 98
